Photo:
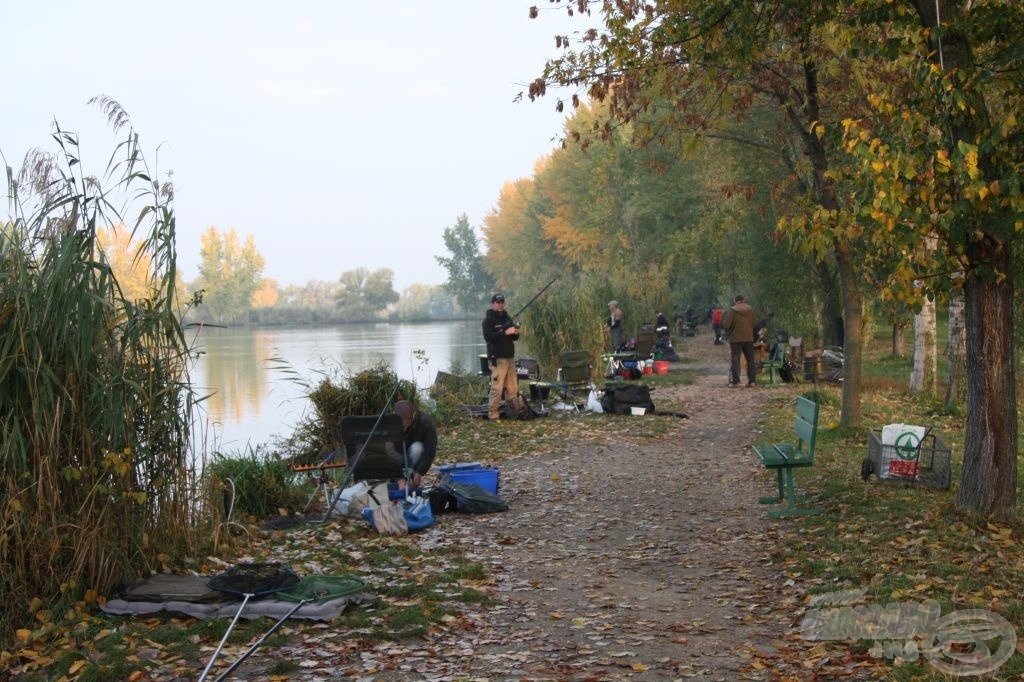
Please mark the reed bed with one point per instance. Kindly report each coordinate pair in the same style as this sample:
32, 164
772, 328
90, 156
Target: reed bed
98, 486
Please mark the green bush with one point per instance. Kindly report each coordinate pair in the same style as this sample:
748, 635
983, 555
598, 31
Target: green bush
263, 483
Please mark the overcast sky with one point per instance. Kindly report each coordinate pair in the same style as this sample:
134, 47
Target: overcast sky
340, 134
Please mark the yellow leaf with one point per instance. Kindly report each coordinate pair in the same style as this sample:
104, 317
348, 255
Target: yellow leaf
77, 665
878, 166
639, 667
23, 635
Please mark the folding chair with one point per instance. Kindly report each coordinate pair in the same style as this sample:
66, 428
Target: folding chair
775, 362
528, 368
574, 373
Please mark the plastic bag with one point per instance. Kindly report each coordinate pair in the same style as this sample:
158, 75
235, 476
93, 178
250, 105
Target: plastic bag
418, 514
593, 404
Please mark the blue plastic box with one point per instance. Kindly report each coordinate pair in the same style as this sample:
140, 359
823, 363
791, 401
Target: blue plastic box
462, 466
485, 478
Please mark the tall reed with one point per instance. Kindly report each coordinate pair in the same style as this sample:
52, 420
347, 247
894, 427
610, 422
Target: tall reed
97, 485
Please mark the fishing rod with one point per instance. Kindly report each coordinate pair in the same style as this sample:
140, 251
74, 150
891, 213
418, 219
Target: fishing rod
536, 296
355, 460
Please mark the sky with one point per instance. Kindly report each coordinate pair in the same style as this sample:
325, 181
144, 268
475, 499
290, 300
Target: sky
339, 134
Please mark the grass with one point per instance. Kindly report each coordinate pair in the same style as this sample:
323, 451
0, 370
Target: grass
900, 542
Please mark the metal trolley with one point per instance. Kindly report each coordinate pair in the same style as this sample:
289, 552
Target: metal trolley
926, 462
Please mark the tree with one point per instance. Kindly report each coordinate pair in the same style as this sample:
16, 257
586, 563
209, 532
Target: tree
906, 113
468, 281
230, 273
130, 263
942, 153
364, 294
687, 65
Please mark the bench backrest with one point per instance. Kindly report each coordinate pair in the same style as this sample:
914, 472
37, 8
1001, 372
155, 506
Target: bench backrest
806, 425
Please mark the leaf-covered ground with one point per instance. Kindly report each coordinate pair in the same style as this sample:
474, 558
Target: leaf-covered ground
634, 549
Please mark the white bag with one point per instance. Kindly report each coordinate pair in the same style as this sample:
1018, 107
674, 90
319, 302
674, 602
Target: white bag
593, 404
899, 441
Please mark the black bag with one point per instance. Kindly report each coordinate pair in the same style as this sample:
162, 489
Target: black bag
517, 408
441, 500
619, 399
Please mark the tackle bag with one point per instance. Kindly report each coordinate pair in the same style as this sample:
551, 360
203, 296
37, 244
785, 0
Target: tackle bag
517, 408
619, 399
473, 498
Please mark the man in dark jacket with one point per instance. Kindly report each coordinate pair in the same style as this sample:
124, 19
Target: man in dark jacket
420, 439
501, 335
738, 323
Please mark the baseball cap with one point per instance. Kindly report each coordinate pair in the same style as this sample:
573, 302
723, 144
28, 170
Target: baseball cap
613, 302
498, 298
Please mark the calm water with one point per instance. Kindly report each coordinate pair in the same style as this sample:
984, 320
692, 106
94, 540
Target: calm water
255, 377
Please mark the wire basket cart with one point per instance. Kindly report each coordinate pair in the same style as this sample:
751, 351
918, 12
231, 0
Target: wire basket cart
924, 462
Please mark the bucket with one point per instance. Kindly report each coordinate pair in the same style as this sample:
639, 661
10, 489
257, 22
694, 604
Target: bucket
637, 411
539, 391
485, 478
661, 366
648, 369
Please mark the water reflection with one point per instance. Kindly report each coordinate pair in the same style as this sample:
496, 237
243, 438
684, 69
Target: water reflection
257, 378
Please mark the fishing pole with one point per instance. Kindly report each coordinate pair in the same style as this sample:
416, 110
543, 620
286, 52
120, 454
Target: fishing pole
536, 296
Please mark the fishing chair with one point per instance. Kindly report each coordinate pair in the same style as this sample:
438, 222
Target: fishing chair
645, 340
574, 374
375, 447
374, 451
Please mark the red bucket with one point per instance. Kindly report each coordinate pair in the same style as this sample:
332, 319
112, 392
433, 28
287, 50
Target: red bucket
661, 366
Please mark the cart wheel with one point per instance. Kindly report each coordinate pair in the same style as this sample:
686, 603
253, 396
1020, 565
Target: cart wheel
867, 468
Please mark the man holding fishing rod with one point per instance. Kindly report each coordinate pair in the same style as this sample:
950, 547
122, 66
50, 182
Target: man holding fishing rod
501, 333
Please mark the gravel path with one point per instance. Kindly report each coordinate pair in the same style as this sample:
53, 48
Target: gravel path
621, 560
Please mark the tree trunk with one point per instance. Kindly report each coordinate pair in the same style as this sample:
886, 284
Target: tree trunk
830, 305
899, 339
853, 337
956, 353
988, 484
922, 378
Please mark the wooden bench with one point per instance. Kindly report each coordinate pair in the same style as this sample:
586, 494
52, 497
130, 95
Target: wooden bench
785, 457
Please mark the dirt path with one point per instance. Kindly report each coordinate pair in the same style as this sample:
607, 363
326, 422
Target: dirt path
626, 561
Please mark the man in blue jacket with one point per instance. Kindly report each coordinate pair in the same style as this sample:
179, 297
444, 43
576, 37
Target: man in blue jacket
501, 334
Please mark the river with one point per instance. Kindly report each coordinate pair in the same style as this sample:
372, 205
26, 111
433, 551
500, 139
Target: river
256, 379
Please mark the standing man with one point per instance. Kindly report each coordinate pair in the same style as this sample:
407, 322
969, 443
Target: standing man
501, 335
420, 440
738, 323
614, 325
